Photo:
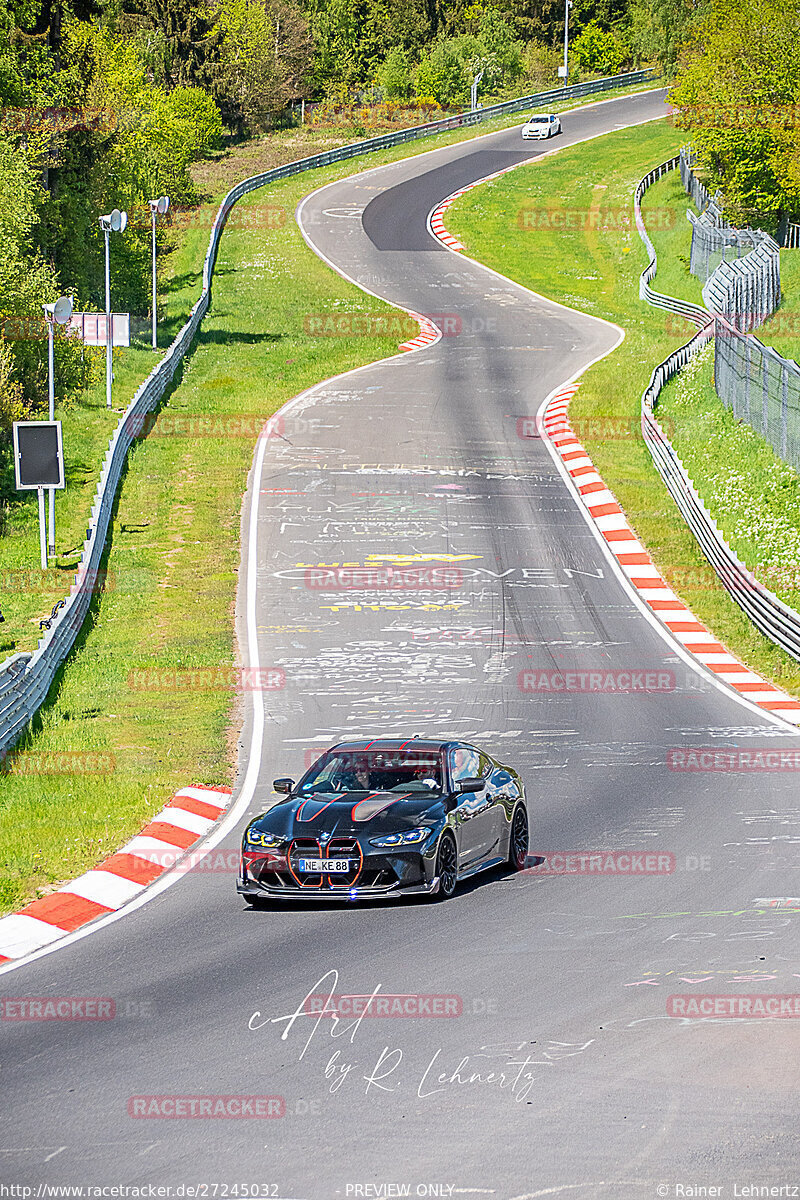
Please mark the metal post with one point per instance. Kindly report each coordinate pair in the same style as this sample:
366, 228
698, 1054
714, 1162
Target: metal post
155, 337
42, 533
108, 326
51, 329
567, 5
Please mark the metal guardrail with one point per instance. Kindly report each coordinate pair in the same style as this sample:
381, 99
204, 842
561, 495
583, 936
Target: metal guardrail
25, 679
768, 613
693, 312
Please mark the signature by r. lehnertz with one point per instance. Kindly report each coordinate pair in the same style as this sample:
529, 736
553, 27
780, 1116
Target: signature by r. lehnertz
515, 1073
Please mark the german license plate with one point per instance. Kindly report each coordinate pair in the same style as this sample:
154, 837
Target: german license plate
325, 866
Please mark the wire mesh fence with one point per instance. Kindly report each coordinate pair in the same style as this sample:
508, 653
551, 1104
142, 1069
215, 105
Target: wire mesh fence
701, 197
740, 267
760, 387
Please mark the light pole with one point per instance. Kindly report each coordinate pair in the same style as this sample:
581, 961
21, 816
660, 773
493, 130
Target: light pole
565, 69
157, 209
474, 91
55, 314
113, 222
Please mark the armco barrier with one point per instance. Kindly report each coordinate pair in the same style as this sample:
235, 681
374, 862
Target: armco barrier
692, 312
770, 615
26, 679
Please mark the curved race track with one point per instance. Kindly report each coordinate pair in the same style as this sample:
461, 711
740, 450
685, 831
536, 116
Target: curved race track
586, 1086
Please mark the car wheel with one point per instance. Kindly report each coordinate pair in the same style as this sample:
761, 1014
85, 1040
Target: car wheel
518, 839
446, 868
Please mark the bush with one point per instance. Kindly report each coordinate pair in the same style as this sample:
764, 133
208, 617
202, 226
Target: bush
444, 75
599, 51
540, 65
394, 75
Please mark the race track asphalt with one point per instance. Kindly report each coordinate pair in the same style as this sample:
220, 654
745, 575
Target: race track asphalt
563, 1072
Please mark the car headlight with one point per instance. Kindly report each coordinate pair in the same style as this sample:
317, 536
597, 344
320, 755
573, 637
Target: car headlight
411, 837
269, 841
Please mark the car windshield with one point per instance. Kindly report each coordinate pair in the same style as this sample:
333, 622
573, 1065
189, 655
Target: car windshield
375, 771
538, 121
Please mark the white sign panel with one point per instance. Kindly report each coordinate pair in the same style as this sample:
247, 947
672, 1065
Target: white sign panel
91, 328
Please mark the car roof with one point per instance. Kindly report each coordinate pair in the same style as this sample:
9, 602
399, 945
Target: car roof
412, 743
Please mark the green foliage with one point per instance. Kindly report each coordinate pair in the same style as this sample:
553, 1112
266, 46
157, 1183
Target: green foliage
540, 65
394, 75
447, 70
444, 74
659, 29
26, 282
265, 55
599, 51
738, 88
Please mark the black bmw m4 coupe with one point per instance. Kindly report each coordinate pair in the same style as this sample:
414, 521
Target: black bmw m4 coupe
385, 817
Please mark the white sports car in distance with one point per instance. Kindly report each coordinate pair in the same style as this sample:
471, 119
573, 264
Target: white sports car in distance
541, 126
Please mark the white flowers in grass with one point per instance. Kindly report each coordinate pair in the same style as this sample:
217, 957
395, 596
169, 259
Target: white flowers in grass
752, 494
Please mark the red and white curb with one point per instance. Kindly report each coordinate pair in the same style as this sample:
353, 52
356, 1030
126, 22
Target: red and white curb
436, 223
157, 848
638, 566
428, 333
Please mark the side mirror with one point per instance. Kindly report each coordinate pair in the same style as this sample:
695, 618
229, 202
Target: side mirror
470, 785
284, 786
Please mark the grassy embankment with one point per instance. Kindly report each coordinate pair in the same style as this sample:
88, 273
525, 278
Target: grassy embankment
595, 269
175, 538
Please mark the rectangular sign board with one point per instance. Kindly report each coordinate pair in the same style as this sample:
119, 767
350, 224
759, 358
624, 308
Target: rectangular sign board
91, 328
38, 455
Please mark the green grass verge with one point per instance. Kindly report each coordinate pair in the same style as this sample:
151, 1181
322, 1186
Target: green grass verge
664, 209
752, 494
594, 266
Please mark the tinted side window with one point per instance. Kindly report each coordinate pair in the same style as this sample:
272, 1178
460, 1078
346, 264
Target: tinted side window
464, 764
485, 765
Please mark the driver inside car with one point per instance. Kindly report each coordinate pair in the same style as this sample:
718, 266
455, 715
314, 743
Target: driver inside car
357, 778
